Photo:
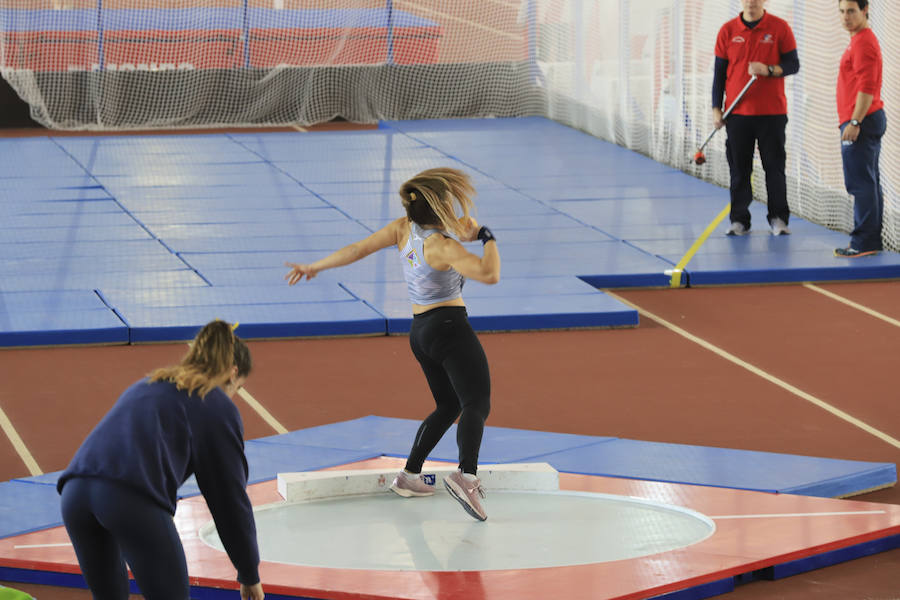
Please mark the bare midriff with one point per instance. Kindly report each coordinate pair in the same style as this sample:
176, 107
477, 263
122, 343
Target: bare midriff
418, 309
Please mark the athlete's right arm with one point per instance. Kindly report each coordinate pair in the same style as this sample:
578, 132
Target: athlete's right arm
485, 268
388, 235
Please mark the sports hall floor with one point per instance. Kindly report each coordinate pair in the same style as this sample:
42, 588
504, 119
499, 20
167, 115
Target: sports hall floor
775, 348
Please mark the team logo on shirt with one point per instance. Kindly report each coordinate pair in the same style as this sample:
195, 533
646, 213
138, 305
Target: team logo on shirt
768, 39
738, 39
413, 258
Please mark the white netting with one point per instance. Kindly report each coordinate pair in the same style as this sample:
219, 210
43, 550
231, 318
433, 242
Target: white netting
637, 72
103, 64
640, 73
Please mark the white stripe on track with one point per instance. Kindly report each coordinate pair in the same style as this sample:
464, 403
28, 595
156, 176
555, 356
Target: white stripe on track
763, 374
261, 411
852, 304
19, 445
822, 514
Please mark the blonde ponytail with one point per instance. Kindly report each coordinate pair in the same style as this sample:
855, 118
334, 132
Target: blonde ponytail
429, 198
207, 363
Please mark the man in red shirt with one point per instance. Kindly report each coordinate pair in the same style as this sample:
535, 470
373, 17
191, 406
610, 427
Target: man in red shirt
863, 123
755, 43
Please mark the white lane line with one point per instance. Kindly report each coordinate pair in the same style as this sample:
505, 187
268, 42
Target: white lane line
760, 373
261, 411
852, 304
65, 545
823, 514
19, 445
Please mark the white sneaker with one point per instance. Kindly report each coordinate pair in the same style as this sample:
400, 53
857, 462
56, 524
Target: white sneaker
737, 229
466, 490
779, 227
408, 485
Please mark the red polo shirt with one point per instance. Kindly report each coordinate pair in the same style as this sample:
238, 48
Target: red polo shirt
765, 43
860, 72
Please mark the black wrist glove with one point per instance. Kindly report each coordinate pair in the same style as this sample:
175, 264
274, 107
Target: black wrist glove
485, 235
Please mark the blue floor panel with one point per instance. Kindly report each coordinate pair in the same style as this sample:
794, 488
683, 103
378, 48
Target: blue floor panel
86, 265
760, 243
49, 328
289, 245
722, 467
645, 211
214, 196
125, 299
27, 506
70, 221
250, 169
74, 234
85, 207
376, 267
793, 267
236, 230
49, 302
144, 246
103, 280
549, 312
228, 210
387, 206
665, 185
74, 184
114, 182
550, 237
369, 172
237, 214
393, 437
257, 321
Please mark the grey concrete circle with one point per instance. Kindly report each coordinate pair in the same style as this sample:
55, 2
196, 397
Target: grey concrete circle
524, 530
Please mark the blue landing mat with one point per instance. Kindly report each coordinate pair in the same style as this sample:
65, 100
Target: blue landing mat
27, 506
722, 467
46, 318
32, 503
227, 210
102, 280
632, 199
310, 319
762, 258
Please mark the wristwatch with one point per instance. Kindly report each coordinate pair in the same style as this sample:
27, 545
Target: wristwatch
854, 122
771, 71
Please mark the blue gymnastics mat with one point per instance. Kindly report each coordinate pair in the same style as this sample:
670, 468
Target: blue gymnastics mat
208, 221
30, 504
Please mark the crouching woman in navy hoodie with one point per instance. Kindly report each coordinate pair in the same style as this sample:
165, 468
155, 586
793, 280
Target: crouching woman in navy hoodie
119, 492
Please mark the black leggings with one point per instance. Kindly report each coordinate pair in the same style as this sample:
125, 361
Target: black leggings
456, 368
109, 524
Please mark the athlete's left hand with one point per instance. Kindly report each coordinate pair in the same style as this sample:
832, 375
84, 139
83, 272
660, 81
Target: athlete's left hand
299, 271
